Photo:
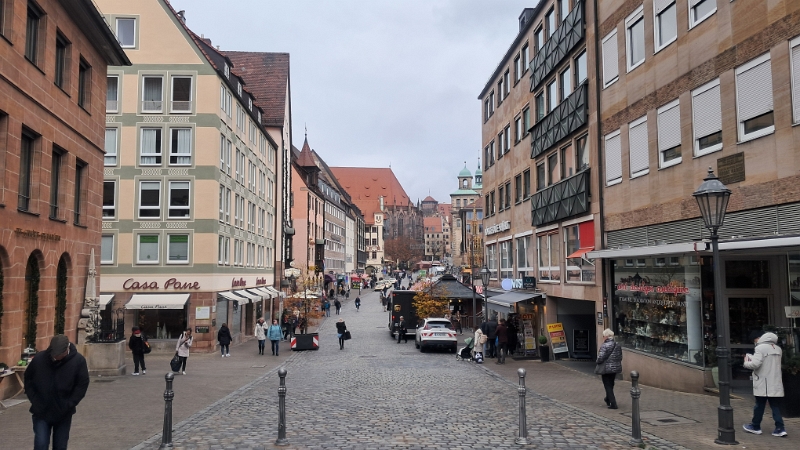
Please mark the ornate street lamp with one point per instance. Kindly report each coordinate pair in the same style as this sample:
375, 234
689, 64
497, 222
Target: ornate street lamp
712, 197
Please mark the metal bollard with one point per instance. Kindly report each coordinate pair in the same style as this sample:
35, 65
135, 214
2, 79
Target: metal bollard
636, 425
166, 434
281, 441
523, 427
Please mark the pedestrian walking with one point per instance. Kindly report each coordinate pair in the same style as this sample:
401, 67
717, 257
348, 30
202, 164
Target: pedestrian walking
489, 328
357, 303
261, 335
287, 327
511, 332
327, 307
402, 330
56, 380
224, 338
137, 343
477, 344
274, 336
347, 293
341, 329
609, 364
338, 306
302, 323
182, 349
765, 362
295, 323
502, 341
457, 323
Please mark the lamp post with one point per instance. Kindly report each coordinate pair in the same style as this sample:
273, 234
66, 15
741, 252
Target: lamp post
712, 197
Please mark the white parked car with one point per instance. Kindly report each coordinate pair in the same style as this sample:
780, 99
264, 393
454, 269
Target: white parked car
436, 333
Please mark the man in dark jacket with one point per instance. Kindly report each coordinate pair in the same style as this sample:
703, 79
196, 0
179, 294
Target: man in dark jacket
55, 382
137, 346
402, 329
490, 330
502, 340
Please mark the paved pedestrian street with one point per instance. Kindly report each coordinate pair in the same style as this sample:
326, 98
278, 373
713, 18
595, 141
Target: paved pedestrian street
377, 394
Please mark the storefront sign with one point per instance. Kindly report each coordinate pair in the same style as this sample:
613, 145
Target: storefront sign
238, 283
647, 289
528, 282
172, 283
580, 341
599, 318
792, 312
558, 339
37, 234
652, 301
494, 229
261, 281
530, 342
202, 312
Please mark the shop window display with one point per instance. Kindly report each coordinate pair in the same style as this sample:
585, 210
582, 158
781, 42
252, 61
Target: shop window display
162, 323
657, 308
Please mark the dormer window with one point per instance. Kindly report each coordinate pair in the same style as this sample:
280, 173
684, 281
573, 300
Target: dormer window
259, 117
227, 71
250, 103
239, 88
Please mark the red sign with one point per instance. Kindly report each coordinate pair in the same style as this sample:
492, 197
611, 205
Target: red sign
172, 283
646, 289
260, 281
238, 283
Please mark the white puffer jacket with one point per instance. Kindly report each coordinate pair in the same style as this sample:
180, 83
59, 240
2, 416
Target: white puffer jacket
765, 363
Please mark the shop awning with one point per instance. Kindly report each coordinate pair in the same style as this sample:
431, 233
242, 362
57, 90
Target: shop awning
258, 293
509, 298
262, 291
581, 252
231, 296
250, 297
272, 291
105, 299
633, 252
157, 301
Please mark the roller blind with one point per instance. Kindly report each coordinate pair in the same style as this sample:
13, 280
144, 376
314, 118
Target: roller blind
637, 139
613, 158
754, 90
610, 59
661, 5
669, 127
706, 112
796, 81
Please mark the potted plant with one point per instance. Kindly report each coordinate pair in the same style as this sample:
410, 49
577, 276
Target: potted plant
544, 349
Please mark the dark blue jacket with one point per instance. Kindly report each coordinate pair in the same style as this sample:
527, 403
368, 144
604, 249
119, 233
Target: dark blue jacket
55, 388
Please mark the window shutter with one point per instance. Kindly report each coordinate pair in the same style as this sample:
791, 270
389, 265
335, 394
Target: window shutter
669, 127
613, 158
637, 142
796, 82
661, 5
693, 3
754, 91
707, 113
610, 59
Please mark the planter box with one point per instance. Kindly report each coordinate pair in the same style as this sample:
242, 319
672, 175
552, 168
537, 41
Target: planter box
790, 406
544, 353
308, 341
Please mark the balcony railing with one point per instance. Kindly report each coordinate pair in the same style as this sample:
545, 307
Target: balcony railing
181, 106
565, 199
566, 37
152, 106
568, 116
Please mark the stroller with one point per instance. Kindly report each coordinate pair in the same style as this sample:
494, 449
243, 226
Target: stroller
465, 353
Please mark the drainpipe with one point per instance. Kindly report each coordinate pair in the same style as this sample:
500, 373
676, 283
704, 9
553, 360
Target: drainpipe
600, 184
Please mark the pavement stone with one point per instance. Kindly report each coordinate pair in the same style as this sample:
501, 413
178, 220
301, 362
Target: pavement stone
377, 394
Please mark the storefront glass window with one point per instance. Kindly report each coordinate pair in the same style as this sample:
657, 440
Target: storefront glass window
506, 263
549, 257
162, 323
658, 307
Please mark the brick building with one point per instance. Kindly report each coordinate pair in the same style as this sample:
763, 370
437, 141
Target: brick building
52, 117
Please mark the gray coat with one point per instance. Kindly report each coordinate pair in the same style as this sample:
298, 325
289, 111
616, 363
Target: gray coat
610, 355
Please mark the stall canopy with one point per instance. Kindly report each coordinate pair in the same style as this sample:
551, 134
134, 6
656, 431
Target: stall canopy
248, 296
232, 296
504, 302
105, 299
157, 301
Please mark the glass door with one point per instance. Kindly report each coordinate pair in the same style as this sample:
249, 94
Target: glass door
748, 315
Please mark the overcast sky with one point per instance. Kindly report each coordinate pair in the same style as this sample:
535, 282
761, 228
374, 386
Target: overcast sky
378, 83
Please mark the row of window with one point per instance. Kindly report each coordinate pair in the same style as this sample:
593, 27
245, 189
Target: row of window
246, 214
30, 183
245, 170
153, 95
245, 254
243, 124
754, 119
152, 146
557, 165
552, 249
665, 32
541, 34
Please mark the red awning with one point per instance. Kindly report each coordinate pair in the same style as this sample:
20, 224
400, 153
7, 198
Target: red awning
581, 252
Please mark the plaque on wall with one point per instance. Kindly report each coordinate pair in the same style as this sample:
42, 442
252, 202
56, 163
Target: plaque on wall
201, 330
730, 169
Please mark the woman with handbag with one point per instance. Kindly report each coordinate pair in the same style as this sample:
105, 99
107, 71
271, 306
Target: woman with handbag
182, 349
274, 335
341, 329
138, 344
609, 364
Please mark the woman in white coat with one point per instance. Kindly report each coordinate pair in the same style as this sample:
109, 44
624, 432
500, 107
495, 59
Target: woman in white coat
765, 362
182, 349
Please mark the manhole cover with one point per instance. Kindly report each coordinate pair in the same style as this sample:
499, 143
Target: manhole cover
662, 418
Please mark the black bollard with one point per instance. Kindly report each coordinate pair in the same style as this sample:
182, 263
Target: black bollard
636, 425
281, 441
523, 427
166, 434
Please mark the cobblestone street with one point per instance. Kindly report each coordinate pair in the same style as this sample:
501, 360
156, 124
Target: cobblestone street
378, 394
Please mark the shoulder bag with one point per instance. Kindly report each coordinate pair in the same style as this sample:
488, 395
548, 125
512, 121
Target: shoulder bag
600, 368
